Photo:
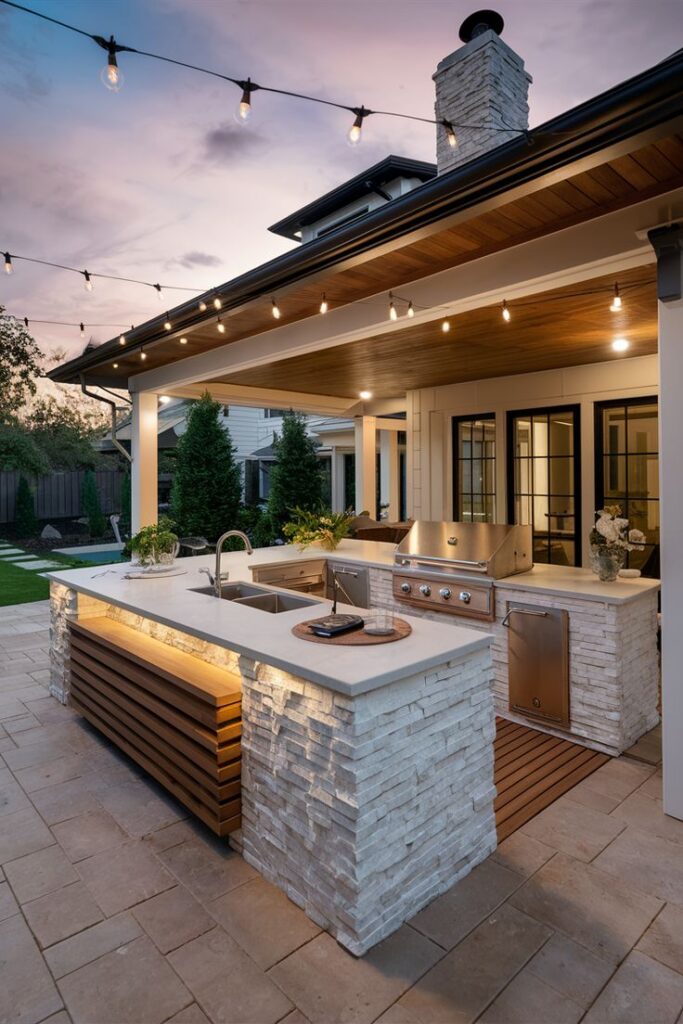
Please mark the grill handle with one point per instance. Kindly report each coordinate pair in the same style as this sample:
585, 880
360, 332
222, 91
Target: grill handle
521, 611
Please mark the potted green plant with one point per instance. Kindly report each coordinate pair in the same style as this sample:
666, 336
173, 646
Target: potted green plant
320, 527
155, 546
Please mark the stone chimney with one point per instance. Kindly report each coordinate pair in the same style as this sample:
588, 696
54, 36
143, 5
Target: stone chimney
482, 83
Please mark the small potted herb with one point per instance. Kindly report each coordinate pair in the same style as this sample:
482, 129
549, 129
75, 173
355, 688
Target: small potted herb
155, 546
322, 527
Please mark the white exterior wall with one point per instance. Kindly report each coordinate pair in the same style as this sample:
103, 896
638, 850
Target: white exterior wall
430, 411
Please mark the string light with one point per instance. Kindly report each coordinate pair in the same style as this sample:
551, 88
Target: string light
122, 339
446, 326
201, 306
157, 288
88, 282
324, 305
220, 326
164, 399
82, 331
110, 75
616, 300
451, 137
276, 310
25, 321
355, 131
411, 309
243, 111
393, 312
506, 312
183, 341
217, 304
143, 354
8, 263
167, 323
115, 366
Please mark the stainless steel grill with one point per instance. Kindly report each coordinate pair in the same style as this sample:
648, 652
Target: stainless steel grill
452, 566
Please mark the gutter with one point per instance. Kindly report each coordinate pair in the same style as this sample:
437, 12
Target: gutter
108, 401
642, 103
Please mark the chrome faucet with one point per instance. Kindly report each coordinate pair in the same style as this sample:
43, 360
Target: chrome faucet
219, 578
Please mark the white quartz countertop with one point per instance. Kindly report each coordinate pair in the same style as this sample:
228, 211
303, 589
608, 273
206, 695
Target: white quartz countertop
267, 637
582, 584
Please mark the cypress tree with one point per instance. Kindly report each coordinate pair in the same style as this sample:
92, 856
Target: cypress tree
24, 512
296, 477
90, 502
207, 486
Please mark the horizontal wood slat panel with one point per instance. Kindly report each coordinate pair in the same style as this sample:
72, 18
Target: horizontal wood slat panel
157, 706
532, 769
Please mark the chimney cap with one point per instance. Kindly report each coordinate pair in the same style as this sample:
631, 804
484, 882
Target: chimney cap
481, 21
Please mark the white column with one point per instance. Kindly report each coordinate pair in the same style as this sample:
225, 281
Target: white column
388, 473
144, 443
671, 534
337, 481
366, 466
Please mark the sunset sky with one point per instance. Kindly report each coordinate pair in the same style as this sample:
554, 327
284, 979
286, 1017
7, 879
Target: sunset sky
158, 181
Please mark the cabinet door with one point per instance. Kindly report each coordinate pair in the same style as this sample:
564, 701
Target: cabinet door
538, 662
353, 589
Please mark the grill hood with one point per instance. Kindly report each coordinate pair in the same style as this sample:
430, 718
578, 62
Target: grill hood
493, 550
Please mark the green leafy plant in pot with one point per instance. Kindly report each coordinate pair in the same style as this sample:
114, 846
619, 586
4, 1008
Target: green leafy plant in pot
322, 527
155, 546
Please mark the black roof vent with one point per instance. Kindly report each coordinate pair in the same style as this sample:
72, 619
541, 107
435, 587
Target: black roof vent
481, 21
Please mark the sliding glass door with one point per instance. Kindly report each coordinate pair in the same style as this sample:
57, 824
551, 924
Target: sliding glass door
544, 481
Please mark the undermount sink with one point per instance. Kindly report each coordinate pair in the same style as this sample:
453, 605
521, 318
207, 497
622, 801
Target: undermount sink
257, 597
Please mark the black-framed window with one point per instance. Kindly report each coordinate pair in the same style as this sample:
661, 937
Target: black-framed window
627, 470
544, 480
474, 469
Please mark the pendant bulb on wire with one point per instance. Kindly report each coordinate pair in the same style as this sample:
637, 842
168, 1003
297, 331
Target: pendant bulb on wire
243, 111
167, 323
275, 309
616, 300
201, 306
393, 312
324, 305
355, 132
82, 326
506, 312
446, 326
220, 326
88, 281
411, 309
157, 289
451, 137
110, 75
217, 304
8, 263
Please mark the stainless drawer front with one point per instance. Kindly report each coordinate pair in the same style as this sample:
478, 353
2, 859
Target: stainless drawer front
538, 662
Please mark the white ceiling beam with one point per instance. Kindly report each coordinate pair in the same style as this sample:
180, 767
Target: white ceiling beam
265, 398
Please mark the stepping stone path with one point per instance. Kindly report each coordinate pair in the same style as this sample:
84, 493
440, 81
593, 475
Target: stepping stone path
23, 560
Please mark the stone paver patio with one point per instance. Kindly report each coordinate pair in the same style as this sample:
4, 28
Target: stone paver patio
115, 908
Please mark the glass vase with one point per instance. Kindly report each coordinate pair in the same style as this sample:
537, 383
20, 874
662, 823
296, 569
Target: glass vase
606, 564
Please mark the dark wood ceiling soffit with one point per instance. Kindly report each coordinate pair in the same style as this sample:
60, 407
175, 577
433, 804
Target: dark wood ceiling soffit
623, 181
556, 329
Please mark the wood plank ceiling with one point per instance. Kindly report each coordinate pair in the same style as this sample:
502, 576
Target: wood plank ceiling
648, 171
563, 327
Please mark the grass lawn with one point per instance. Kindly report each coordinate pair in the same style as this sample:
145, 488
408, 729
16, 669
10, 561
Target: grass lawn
19, 586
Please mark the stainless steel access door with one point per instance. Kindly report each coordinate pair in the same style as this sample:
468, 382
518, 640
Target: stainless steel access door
538, 662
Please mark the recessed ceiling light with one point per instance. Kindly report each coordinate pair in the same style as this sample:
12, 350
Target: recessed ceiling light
365, 395
183, 341
164, 399
620, 344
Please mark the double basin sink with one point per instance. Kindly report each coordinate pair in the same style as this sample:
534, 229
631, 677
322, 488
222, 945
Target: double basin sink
258, 597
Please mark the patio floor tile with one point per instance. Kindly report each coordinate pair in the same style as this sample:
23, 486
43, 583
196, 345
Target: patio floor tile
652, 787
173, 918
450, 917
36, 754
12, 796
139, 809
574, 829
328, 984
132, 984
62, 913
205, 871
39, 873
645, 862
8, 904
193, 1014
266, 924
27, 993
64, 800
226, 983
119, 879
92, 943
470, 977
616, 779
588, 905
570, 969
522, 854
528, 1000
663, 940
60, 769
22, 832
641, 992
647, 813
87, 834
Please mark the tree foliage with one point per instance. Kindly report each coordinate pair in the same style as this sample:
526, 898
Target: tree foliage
207, 487
19, 365
295, 479
19, 451
92, 509
24, 510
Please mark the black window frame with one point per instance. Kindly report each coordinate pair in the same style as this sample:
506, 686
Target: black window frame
455, 459
599, 452
547, 410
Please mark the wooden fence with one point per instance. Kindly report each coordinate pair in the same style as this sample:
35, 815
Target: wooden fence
58, 495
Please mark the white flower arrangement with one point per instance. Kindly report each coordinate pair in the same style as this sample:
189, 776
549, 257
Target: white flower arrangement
611, 532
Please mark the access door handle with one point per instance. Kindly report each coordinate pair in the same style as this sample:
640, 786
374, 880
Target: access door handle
522, 611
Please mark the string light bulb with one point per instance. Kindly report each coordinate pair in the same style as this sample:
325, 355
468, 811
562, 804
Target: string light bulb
164, 399
616, 300
243, 111
26, 322
217, 304
183, 341
82, 326
115, 366
143, 354
446, 326
88, 281
122, 339
393, 312
157, 289
8, 263
506, 312
167, 323
220, 326
324, 305
451, 137
354, 134
276, 310
201, 306
411, 309
110, 75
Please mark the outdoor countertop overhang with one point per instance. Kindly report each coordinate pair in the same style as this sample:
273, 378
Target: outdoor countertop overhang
266, 637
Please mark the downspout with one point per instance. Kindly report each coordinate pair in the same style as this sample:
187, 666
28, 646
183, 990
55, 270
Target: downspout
100, 398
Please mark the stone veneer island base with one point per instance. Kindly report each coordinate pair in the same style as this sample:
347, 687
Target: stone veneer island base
367, 778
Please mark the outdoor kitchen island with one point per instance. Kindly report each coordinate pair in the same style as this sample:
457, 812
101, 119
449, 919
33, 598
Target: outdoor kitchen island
366, 772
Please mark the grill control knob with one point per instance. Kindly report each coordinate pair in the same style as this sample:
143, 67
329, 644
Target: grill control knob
425, 590
465, 596
406, 588
446, 593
